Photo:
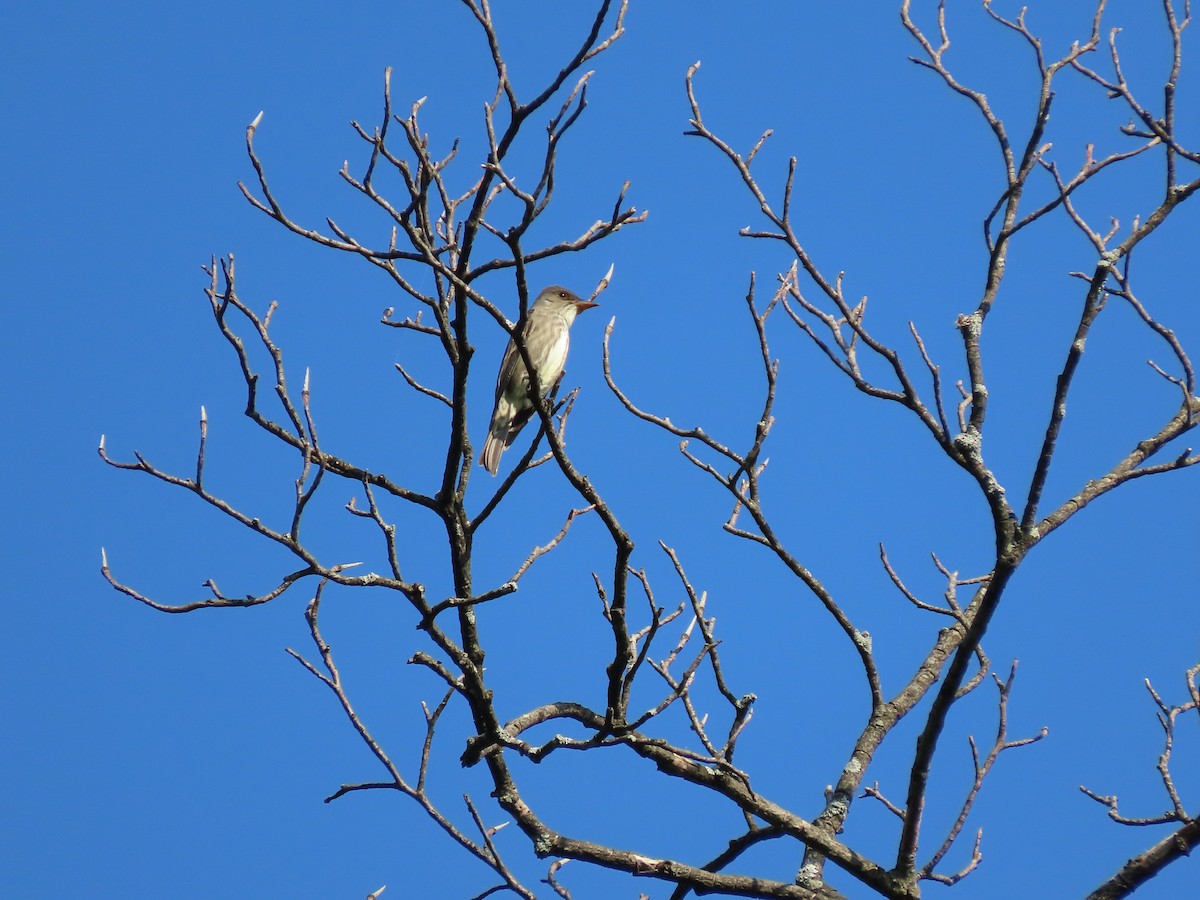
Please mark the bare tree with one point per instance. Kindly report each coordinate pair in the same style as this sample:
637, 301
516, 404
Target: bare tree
449, 233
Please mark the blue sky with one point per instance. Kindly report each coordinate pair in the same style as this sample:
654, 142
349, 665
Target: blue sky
148, 754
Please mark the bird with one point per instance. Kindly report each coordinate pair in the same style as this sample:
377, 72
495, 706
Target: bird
547, 338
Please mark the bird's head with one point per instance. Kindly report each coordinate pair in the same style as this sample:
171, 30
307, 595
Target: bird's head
562, 300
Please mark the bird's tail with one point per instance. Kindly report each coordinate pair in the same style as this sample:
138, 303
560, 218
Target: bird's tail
506, 424
489, 456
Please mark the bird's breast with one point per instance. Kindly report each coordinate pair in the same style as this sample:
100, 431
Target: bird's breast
556, 357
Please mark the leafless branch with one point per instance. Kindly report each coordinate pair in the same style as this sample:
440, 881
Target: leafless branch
1181, 842
982, 768
444, 232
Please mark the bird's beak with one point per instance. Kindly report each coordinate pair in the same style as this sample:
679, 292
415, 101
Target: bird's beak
581, 305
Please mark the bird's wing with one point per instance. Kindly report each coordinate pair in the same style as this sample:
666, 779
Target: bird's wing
508, 366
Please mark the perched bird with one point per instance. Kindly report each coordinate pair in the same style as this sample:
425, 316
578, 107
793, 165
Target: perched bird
547, 337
